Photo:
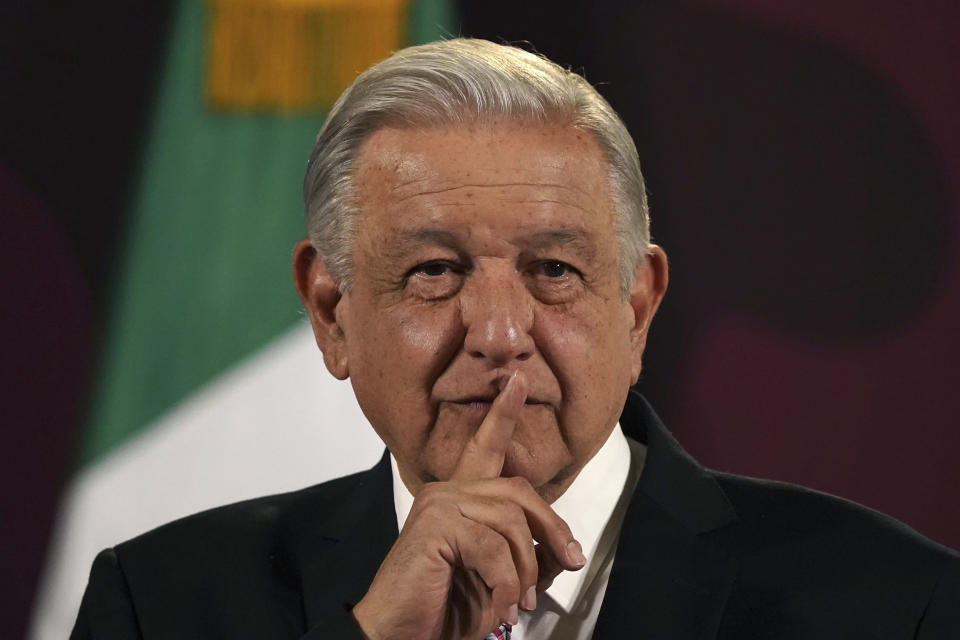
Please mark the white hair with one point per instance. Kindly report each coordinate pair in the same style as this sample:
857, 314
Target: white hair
463, 81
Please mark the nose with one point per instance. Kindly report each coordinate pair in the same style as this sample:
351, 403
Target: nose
497, 312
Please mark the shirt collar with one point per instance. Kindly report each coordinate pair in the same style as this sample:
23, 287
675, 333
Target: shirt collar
586, 506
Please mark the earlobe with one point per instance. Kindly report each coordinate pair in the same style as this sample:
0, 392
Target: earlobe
649, 286
321, 298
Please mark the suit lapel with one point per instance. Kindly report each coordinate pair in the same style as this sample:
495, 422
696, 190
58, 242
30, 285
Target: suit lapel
667, 580
339, 554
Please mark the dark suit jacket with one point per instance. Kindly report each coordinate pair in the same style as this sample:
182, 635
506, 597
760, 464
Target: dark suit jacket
701, 555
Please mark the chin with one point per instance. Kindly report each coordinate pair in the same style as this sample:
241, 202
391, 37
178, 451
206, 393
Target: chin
543, 467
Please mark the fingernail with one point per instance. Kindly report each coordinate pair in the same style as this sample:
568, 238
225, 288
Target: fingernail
529, 599
575, 553
513, 614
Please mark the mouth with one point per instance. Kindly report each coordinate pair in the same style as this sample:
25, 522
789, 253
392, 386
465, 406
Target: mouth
482, 403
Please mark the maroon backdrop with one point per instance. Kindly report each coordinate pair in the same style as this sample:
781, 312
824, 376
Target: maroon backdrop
803, 160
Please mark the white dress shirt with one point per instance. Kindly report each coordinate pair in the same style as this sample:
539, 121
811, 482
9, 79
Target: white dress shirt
593, 506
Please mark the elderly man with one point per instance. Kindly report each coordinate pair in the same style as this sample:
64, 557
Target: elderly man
479, 266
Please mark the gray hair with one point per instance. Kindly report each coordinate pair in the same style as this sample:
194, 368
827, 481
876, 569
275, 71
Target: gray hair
462, 81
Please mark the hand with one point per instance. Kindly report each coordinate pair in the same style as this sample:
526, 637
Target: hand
466, 560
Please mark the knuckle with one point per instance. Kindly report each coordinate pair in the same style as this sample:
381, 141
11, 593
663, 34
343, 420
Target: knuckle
494, 543
511, 588
519, 484
515, 514
518, 531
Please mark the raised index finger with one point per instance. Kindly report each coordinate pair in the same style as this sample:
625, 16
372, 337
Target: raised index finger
483, 455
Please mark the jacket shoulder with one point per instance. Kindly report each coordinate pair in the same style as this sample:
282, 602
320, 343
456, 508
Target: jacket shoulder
767, 507
237, 567
806, 555
248, 522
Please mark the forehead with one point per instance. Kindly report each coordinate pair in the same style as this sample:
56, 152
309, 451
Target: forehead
494, 176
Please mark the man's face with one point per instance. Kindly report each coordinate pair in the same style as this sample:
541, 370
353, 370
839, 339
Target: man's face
481, 251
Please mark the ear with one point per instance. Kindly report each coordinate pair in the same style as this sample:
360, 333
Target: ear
321, 297
649, 284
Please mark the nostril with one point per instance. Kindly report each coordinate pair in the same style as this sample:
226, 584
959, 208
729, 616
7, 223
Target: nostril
499, 357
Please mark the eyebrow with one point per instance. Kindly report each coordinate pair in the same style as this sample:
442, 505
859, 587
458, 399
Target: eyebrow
553, 237
575, 240
456, 239
443, 237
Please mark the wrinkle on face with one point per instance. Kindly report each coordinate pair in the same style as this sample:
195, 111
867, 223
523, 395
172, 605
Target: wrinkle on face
466, 187
493, 205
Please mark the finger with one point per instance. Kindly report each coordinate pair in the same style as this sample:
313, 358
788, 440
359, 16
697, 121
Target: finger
547, 566
547, 527
485, 551
509, 520
483, 454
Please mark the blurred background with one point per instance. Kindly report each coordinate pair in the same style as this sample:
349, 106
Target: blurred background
803, 162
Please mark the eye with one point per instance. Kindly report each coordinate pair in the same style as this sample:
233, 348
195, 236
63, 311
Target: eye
434, 280
432, 269
554, 281
554, 268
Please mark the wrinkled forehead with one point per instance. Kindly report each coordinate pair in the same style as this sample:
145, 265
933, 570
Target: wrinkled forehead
556, 159
479, 189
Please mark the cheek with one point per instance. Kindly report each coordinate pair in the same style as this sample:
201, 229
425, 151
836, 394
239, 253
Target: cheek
426, 339
394, 361
414, 337
423, 336
591, 357
587, 351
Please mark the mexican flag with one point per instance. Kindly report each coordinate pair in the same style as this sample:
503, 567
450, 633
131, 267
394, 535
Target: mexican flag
211, 388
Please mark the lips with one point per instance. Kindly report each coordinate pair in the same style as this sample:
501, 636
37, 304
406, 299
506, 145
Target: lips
478, 389
484, 401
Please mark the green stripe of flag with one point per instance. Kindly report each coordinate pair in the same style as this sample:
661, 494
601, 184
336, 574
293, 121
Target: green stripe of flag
205, 277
